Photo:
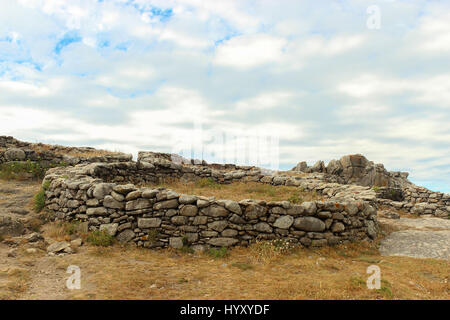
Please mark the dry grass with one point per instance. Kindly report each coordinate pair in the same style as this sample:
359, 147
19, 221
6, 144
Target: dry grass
14, 281
239, 190
256, 272
327, 273
75, 152
64, 231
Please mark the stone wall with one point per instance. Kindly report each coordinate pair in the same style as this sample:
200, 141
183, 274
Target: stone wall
160, 170
420, 201
12, 149
102, 196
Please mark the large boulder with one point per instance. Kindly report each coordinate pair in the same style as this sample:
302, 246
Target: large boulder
10, 226
310, 224
319, 166
334, 167
301, 166
13, 154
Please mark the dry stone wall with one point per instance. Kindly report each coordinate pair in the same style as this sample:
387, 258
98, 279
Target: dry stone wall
421, 201
104, 197
12, 149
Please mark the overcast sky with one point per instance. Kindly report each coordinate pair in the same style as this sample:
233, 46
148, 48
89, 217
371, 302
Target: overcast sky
136, 75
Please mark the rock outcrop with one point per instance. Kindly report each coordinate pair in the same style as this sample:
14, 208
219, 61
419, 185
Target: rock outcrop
356, 169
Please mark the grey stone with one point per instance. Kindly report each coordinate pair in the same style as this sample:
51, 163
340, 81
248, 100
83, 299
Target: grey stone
15, 154
189, 210
110, 202
309, 224
319, 166
110, 228
124, 188
305, 241
191, 237
351, 208
73, 204
215, 211
301, 166
236, 219
338, 227
229, 233
200, 220
117, 196
284, 222
33, 237
209, 234
99, 211
233, 206
201, 203
57, 247
218, 225
263, 227
371, 229
133, 195
145, 223
334, 167
338, 216
124, 226
168, 204
254, 211
222, 242
92, 202
179, 220
101, 190
176, 242
149, 193
76, 243
296, 210
138, 204
309, 207
126, 235
187, 199
324, 214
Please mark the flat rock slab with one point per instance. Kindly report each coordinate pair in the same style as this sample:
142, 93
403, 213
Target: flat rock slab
424, 223
417, 244
424, 238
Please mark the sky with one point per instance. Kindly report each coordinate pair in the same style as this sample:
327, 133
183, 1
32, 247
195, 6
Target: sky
318, 79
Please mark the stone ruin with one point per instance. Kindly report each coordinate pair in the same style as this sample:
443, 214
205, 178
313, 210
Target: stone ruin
105, 193
392, 188
106, 196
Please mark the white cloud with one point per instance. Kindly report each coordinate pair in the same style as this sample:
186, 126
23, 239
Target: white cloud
250, 51
434, 32
265, 101
434, 90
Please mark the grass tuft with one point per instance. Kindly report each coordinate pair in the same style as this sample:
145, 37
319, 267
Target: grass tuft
100, 238
218, 253
39, 201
